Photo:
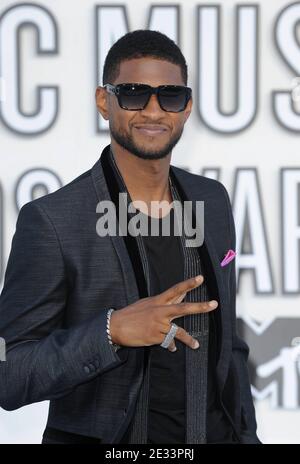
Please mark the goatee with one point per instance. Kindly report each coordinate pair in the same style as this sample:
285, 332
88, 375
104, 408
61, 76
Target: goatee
144, 152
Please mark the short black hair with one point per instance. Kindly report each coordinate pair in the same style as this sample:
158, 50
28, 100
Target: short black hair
138, 44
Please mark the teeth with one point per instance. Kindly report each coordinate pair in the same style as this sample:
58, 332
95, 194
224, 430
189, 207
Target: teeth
151, 130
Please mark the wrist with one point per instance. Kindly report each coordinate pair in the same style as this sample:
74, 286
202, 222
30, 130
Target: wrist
111, 341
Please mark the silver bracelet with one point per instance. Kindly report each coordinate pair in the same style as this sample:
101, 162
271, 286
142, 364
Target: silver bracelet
114, 345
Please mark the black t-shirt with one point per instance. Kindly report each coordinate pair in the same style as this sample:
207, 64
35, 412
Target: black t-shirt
166, 413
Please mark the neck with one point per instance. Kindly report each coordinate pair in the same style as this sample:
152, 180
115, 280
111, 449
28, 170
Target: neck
146, 180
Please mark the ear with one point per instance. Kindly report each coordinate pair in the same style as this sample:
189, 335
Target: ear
101, 102
188, 109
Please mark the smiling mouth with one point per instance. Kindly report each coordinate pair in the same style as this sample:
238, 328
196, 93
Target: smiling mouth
150, 132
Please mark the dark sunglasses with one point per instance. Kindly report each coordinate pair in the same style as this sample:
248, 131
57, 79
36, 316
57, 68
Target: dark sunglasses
133, 97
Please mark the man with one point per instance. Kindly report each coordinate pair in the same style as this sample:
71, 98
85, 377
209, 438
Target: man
116, 330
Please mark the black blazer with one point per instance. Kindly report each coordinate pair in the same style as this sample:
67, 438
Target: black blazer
60, 279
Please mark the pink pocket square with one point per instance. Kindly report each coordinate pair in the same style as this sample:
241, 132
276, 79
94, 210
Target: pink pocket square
230, 255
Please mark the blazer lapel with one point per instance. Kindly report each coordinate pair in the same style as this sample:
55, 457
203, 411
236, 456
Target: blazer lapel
193, 191
106, 189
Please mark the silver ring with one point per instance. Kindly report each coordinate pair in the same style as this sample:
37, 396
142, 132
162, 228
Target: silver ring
170, 335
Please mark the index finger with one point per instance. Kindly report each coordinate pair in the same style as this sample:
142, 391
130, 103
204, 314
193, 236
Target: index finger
181, 288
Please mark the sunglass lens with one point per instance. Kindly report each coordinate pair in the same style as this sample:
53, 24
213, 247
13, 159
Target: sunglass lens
173, 99
133, 97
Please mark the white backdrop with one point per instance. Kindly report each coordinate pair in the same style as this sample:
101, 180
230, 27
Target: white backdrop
246, 135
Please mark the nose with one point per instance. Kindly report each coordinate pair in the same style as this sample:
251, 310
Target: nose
152, 106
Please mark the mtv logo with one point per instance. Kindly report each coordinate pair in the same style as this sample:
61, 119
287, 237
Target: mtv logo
274, 361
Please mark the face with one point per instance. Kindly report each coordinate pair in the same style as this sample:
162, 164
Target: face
126, 126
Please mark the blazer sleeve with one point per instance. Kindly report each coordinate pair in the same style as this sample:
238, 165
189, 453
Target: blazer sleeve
240, 349
44, 360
